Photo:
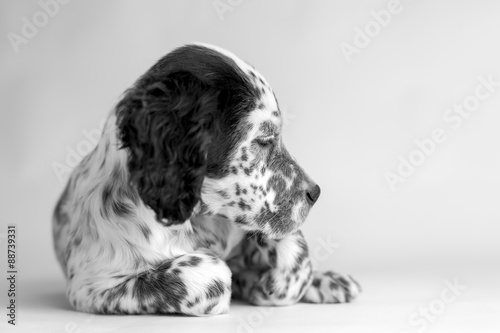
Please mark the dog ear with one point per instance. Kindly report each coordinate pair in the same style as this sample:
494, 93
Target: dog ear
166, 127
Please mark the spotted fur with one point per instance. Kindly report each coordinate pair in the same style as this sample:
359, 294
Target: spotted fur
189, 198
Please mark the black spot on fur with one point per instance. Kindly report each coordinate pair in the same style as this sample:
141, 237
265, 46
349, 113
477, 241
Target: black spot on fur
191, 262
77, 241
243, 205
120, 208
273, 257
223, 194
209, 308
146, 232
193, 303
215, 289
244, 156
241, 219
106, 194
270, 285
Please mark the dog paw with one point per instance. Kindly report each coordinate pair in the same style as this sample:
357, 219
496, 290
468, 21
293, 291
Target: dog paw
330, 287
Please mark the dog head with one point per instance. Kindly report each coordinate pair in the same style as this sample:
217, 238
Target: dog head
203, 127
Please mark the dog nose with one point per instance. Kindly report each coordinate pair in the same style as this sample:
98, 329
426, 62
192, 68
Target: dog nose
312, 194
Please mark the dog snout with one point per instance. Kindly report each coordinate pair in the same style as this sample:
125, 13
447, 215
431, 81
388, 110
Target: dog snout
312, 194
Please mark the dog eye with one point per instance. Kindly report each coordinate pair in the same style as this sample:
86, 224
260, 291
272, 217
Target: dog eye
265, 142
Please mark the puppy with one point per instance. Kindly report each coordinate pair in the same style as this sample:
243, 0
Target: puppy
191, 198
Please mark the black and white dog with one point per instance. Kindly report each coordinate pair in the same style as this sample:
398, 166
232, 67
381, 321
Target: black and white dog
191, 197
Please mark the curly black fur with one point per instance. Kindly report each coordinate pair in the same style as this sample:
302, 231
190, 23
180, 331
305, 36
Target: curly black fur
166, 127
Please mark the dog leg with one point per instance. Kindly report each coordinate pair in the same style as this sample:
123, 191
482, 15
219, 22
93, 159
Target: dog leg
279, 272
272, 272
330, 287
196, 284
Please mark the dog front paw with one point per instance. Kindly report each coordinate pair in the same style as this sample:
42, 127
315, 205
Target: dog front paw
330, 287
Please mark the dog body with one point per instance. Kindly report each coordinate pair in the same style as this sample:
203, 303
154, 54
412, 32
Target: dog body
189, 198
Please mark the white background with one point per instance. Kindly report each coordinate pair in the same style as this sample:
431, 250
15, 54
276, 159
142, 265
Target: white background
347, 124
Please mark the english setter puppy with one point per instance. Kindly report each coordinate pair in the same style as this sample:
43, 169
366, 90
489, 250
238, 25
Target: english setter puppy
191, 198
